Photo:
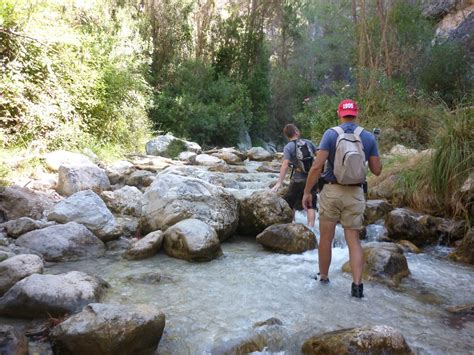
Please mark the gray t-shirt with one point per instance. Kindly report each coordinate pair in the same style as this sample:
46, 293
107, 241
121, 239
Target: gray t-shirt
289, 153
328, 143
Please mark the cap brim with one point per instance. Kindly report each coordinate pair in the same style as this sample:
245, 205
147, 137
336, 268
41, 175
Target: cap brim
343, 113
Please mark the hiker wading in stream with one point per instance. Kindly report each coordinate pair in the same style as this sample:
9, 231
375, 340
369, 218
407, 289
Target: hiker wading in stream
299, 153
347, 148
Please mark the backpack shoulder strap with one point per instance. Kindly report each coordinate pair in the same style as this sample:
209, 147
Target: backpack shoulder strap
358, 131
338, 130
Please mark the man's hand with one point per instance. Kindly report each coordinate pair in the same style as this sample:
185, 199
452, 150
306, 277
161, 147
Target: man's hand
307, 201
276, 187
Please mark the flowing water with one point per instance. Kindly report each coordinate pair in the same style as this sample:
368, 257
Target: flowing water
208, 303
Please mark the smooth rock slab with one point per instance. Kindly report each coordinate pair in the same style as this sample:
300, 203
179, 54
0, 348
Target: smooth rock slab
63, 242
12, 341
87, 208
110, 329
42, 296
288, 238
379, 339
17, 268
145, 247
192, 240
383, 262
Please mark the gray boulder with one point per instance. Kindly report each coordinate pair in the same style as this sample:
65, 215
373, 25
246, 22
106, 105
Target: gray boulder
261, 210
17, 268
110, 329
23, 225
86, 208
72, 179
193, 240
288, 238
16, 202
379, 339
383, 262
42, 296
172, 198
145, 247
127, 225
12, 341
259, 154
63, 242
126, 200
159, 145
140, 178
208, 160
402, 223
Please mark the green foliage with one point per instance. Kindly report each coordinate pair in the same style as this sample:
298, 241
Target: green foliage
175, 148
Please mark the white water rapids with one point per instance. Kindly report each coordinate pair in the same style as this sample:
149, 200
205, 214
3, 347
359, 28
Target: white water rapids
208, 303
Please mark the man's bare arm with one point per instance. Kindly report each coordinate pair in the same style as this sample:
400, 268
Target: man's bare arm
281, 177
375, 165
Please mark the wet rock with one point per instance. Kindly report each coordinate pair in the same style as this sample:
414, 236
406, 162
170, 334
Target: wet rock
57, 158
120, 244
463, 309
409, 246
110, 329
17, 268
465, 252
402, 223
16, 202
239, 169
42, 296
199, 173
192, 240
259, 154
126, 200
383, 262
288, 238
23, 225
72, 179
151, 277
86, 208
145, 247
63, 242
267, 337
12, 341
172, 198
269, 167
379, 339
208, 160
375, 210
261, 210
141, 178
269, 321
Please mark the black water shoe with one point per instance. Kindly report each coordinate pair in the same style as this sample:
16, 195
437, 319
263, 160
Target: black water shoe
357, 290
324, 281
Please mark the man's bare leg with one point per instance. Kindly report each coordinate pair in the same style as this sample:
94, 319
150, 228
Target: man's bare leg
356, 254
310, 215
326, 230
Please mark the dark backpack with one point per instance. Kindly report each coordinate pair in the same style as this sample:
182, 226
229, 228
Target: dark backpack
304, 155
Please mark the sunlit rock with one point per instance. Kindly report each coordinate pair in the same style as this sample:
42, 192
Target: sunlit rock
17, 268
145, 247
259, 154
16, 202
193, 240
383, 262
63, 242
126, 200
208, 160
23, 225
57, 158
110, 329
261, 210
83, 177
140, 178
292, 238
379, 339
41, 296
159, 145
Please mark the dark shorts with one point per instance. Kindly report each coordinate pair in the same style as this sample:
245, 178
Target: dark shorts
294, 195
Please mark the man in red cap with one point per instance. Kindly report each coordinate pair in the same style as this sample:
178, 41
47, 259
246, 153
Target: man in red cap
348, 149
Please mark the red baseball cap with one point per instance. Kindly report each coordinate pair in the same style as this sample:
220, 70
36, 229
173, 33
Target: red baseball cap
347, 108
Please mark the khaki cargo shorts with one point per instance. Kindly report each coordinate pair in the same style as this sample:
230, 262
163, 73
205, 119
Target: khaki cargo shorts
344, 204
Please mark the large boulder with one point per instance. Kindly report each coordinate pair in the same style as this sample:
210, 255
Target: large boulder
159, 145
383, 262
87, 208
72, 179
402, 223
63, 242
376, 210
57, 158
145, 247
110, 329
23, 225
12, 341
259, 154
16, 202
193, 240
42, 296
261, 210
288, 238
172, 198
127, 200
379, 339
17, 268
465, 251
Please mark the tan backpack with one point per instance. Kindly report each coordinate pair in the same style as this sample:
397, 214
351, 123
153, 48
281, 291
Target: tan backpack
350, 166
